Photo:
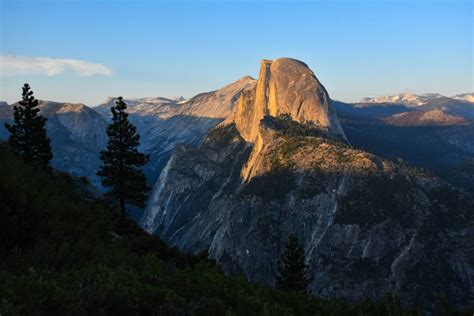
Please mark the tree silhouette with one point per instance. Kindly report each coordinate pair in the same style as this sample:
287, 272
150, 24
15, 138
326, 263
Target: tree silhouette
122, 162
28, 138
292, 269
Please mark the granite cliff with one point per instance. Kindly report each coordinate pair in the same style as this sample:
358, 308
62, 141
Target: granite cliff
285, 86
281, 165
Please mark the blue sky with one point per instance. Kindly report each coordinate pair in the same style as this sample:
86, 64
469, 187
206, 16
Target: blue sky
93, 49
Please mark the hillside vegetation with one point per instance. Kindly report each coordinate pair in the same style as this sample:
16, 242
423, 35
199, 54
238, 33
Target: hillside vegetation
66, 254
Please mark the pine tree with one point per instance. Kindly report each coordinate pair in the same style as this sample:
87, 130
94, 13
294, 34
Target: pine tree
292, 269
28, 138
122, 162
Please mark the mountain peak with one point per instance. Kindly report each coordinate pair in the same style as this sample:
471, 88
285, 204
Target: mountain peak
178, 99
285, 86
246, 79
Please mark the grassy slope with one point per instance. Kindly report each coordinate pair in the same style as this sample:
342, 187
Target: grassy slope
62, 254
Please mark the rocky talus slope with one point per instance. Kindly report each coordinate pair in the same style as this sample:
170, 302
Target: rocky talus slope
369, 225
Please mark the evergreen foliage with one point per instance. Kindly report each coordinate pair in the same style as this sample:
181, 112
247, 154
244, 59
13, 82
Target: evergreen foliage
292, 269
28, 137
122, 162
222, 135
290, 128
272, 185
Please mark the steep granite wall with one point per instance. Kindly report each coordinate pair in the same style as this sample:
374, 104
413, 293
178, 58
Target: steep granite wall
286, 86
369, 226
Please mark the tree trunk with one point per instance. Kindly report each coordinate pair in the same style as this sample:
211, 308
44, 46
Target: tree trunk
121, 174
122, 205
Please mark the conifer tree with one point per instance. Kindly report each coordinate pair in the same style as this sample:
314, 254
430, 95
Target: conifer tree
122, 163
292, 269
28, 138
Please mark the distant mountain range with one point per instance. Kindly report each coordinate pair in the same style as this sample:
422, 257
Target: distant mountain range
414, 100
438, 134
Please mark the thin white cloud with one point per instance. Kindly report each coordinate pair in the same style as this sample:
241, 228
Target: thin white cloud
19, 65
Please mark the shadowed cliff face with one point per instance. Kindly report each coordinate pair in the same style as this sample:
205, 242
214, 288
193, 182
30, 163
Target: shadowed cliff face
77, 134
369, 225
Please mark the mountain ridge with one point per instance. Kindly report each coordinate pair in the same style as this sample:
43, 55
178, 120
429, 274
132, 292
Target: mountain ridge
365, 221
435, 117
414, 100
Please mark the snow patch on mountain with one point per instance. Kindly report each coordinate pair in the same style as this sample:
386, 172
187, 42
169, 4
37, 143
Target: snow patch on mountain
408, 99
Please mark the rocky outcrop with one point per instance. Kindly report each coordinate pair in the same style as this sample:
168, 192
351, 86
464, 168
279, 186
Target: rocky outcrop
288, 87
369, 226
285, 86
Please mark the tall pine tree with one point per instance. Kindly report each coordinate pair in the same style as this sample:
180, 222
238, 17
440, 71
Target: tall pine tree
122, 163
292, 269
28, 137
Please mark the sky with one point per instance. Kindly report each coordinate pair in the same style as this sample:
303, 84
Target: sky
84, 50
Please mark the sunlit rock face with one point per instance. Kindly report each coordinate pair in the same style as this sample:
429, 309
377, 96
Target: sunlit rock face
285, 86
369, 226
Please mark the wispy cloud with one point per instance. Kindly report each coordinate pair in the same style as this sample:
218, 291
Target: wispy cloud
18, 65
